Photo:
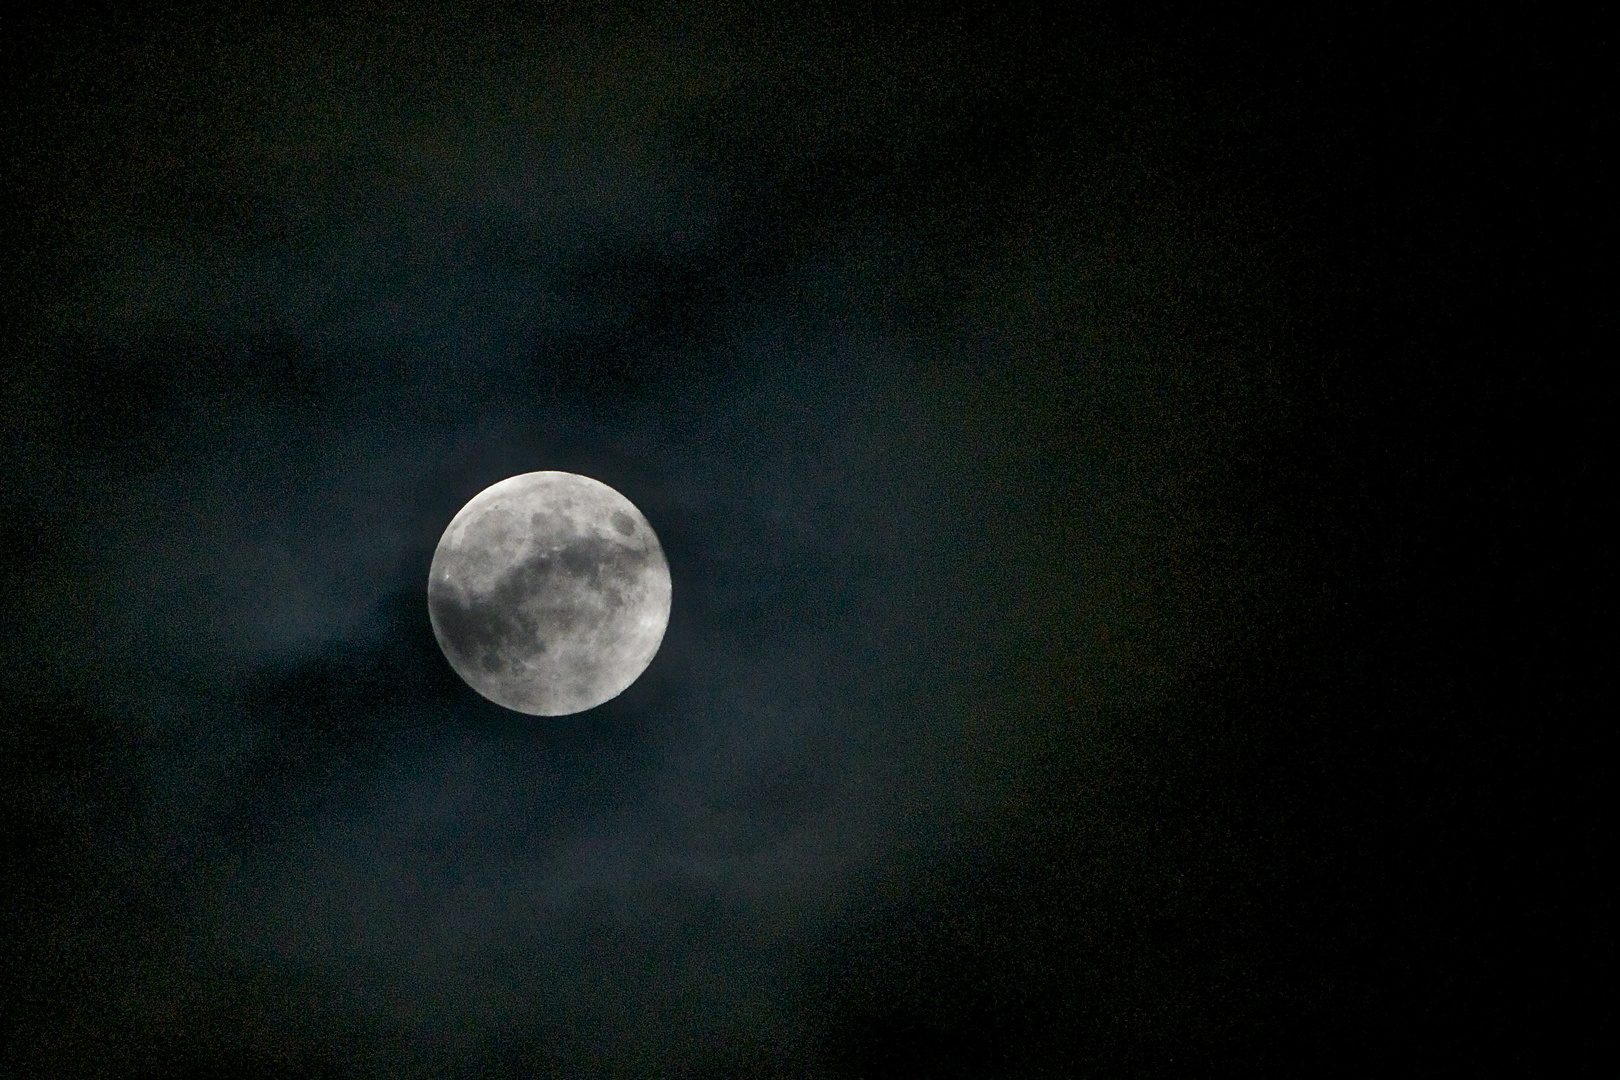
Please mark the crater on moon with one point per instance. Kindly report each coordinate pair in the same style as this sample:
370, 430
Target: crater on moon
549, 593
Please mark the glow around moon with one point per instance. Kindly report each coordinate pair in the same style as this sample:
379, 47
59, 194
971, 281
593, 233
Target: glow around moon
549, 593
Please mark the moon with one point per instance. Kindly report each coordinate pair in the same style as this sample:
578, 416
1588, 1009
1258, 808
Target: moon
549, 593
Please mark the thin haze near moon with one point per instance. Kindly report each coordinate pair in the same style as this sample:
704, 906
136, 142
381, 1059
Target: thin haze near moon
549, 593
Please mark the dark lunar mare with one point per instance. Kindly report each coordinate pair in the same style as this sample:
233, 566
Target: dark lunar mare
483, 628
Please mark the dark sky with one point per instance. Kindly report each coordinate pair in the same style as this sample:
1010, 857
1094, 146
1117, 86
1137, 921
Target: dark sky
1124, 595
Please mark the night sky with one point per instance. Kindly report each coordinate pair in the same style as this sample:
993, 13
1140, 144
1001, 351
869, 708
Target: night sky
1128, 596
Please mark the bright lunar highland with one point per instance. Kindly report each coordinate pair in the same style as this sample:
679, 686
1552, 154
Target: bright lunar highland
549, 593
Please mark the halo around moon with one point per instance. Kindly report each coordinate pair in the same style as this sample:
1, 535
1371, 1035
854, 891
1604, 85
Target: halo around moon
549, 593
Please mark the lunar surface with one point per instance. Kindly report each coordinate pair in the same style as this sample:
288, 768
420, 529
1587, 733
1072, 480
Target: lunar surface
549, 593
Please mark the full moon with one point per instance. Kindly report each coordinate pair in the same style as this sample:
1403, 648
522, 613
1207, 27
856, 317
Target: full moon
549, 593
